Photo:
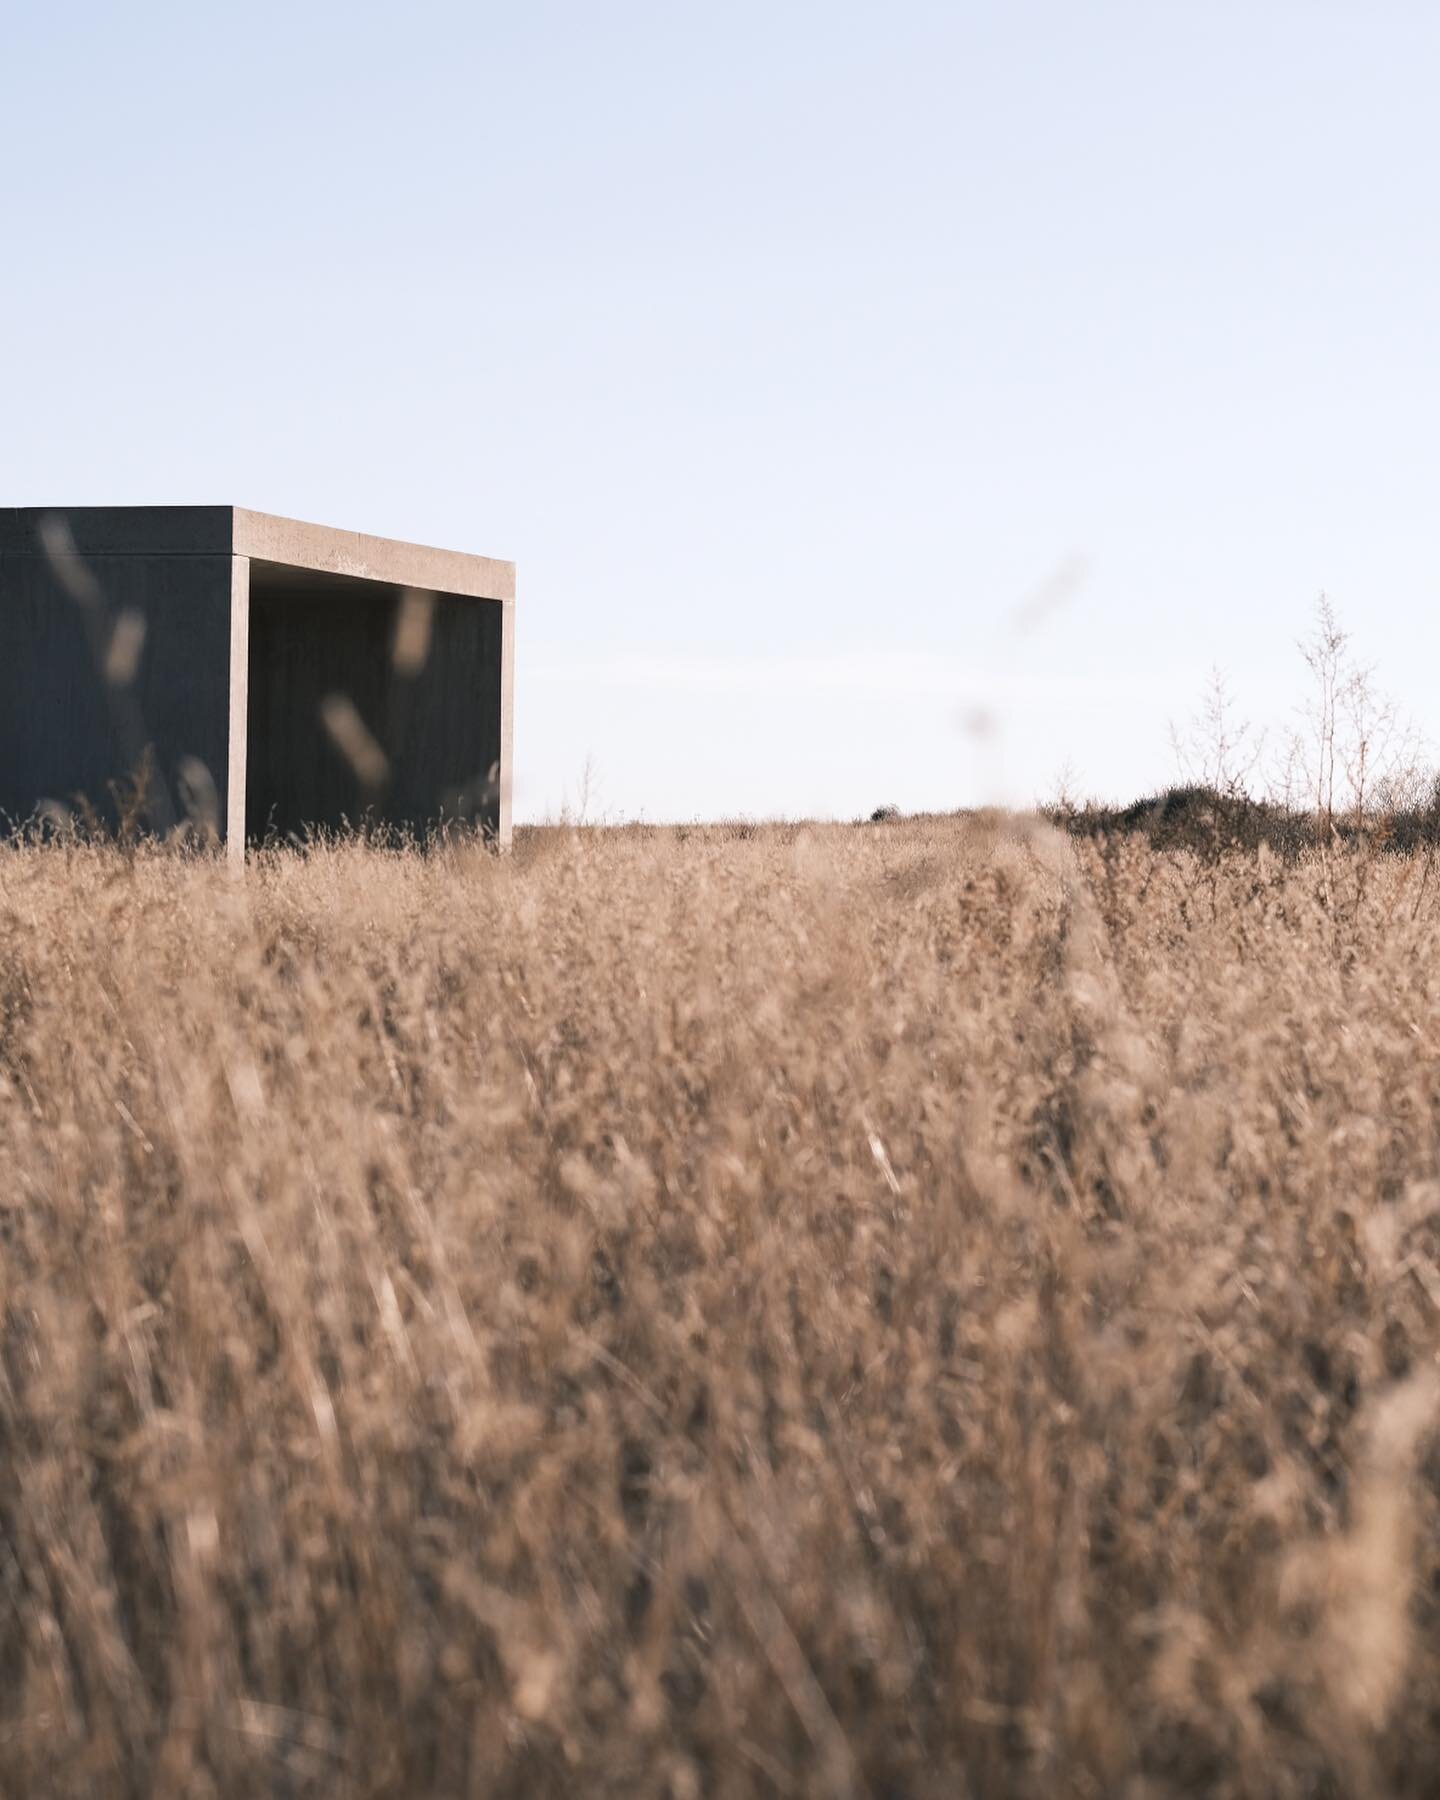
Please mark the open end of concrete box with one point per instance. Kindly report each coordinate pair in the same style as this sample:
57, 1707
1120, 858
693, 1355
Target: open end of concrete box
288, 676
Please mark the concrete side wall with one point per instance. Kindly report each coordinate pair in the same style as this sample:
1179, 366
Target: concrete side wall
99, 659
340, 728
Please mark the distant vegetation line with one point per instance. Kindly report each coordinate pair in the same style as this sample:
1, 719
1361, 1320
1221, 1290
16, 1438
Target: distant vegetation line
1206, 821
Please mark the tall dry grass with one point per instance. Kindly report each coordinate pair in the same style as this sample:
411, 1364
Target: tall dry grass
912, 1310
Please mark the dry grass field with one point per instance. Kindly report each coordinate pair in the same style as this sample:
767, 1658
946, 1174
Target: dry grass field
926, 1309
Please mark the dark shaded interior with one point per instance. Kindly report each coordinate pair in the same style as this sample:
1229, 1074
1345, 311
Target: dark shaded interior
330, 685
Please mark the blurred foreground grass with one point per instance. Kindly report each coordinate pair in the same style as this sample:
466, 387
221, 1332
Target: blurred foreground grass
924, 1309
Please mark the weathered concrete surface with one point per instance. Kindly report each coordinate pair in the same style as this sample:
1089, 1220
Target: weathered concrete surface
279, 673
294, 544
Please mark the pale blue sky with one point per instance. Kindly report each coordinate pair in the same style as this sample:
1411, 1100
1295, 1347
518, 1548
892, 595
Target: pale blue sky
787, 347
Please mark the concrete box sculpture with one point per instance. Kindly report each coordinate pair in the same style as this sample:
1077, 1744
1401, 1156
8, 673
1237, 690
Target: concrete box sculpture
267, 675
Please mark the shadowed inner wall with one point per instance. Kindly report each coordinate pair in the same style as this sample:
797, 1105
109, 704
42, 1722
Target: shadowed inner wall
330, 686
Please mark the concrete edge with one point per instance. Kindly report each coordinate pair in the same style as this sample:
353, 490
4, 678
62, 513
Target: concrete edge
238, 754
264, 537
237, 531
117, 530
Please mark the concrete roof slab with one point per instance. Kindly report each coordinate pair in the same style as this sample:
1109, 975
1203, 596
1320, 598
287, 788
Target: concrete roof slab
267, 538
237, 531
